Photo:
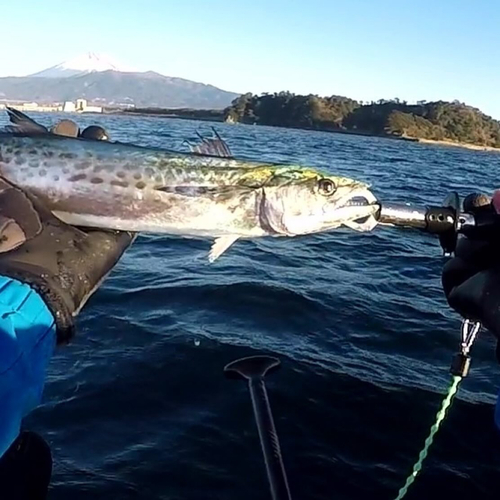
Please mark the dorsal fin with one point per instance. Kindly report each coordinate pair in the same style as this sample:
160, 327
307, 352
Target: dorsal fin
23, 123
211, 146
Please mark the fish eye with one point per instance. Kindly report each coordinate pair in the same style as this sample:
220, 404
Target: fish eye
326, 187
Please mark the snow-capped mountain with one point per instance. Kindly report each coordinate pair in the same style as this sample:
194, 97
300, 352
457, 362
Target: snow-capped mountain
82, 64
104, 82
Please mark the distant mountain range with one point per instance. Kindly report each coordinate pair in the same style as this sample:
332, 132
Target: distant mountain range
106, 83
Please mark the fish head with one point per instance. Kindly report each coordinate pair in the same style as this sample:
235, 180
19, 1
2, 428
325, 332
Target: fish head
314, 202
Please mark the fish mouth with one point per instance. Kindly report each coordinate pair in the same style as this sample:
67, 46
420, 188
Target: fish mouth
360, 207
362, 201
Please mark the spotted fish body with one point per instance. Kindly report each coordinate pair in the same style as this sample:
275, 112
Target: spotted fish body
127, 187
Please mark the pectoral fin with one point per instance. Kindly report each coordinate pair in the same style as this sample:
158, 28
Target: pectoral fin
220, 245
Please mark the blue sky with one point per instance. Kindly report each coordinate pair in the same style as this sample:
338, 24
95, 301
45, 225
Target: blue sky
364, 49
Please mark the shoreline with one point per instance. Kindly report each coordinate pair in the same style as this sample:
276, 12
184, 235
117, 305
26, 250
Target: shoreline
219, 119
198, 115
475, 147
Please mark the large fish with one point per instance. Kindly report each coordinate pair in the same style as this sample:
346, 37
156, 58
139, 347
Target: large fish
202, 193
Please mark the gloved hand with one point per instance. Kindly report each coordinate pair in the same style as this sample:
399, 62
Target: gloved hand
65, 265
471, 280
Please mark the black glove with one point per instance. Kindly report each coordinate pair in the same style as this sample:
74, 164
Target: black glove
471, 280
65, 265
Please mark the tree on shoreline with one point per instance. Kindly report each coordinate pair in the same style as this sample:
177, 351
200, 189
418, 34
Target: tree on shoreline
440, 120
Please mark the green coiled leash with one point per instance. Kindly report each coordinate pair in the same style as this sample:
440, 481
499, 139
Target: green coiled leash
459, 370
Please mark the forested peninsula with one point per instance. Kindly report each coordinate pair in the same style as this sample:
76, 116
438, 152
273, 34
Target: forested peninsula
452, 122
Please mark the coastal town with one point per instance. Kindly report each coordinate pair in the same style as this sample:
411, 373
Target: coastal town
77, 106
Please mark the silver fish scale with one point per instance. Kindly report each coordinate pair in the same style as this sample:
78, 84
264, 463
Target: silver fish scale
132, 188
116, 162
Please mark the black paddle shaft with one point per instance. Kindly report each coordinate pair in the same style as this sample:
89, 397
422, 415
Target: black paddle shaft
269, 440
254, 369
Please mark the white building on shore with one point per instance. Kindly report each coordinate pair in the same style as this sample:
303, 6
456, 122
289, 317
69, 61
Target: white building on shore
31, 106
69, 107
83, 107
78, 106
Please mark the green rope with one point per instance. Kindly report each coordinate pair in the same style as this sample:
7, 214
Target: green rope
428, 442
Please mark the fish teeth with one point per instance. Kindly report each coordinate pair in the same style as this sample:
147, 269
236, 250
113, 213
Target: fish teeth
359, 193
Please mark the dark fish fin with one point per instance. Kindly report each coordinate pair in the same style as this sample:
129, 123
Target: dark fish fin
211, 146
23, 123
